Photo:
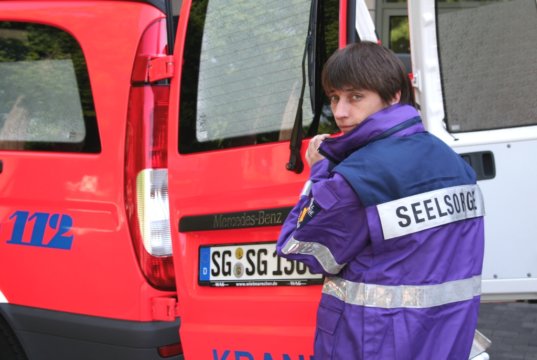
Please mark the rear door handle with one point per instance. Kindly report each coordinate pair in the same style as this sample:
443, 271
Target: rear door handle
483, 164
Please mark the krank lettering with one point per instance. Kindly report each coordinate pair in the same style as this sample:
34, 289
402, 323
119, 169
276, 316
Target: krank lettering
245, 355
40, 229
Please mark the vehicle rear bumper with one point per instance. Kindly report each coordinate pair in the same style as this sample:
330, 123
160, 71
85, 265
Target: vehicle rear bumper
46, 334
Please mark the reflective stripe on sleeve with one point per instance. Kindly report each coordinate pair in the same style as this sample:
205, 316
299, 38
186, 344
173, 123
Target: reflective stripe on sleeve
402, 296
307, 188
318, 251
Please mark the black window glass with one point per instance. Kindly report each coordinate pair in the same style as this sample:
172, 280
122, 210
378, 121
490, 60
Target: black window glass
46, 102
487, 58
242, 72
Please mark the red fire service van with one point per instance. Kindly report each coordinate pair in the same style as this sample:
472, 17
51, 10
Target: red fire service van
150, 151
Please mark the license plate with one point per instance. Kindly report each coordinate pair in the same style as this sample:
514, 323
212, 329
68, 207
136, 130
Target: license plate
255, 264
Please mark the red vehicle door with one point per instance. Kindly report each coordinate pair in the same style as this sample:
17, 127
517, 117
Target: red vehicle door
61, 145
244, 69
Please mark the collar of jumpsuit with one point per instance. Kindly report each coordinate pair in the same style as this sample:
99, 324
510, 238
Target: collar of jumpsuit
398, 118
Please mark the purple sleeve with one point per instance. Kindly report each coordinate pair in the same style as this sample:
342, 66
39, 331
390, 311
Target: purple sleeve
319, 171
327, 228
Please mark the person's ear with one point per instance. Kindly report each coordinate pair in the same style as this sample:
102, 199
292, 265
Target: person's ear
396, 98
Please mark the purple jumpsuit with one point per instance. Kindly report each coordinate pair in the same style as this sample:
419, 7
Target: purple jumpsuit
394, 220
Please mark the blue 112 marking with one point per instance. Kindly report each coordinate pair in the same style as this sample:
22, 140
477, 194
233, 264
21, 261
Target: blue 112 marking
60, 222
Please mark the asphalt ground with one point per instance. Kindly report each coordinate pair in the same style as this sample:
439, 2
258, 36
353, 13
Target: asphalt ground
512, 328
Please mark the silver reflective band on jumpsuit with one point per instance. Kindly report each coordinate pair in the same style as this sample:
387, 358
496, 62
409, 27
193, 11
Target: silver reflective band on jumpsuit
402, 296
319, 251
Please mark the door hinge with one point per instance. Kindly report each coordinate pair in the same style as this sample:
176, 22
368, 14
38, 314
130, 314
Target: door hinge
165, 308
160, 67
416, 80
149, 69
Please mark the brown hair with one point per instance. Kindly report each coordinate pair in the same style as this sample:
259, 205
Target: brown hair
368, 66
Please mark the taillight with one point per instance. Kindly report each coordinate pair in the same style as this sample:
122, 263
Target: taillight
170, 350
146, 161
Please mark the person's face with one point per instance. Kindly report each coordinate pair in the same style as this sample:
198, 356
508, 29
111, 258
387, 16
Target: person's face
350, 106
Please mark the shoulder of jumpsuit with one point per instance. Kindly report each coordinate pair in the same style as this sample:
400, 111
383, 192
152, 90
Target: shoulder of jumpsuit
403, 165
334, 192
388, 119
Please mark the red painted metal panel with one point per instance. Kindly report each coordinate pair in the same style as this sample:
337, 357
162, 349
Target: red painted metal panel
99, 275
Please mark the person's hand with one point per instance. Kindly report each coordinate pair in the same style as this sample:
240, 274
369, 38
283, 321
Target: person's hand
312, 153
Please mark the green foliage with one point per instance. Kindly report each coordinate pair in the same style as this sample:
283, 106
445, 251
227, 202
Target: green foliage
399, 34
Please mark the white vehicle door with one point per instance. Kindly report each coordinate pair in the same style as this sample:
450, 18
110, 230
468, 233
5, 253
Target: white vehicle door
475, 76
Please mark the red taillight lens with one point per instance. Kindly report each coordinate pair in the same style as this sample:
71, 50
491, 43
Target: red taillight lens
170, 350
146, 161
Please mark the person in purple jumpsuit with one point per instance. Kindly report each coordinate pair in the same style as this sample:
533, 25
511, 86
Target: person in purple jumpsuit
392, 217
